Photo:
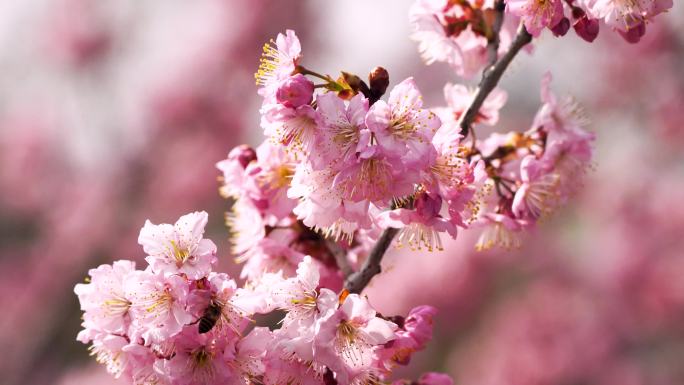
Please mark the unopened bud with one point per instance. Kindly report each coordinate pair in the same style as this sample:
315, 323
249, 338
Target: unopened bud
561, 28
295, 91
356, 84
243, 154
379, 81
634, 33
586, 28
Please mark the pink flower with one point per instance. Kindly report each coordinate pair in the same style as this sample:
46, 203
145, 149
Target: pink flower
179, 248
299, 297
413, 334
448, 31
279, 62
198, 360
108, 350
251, 351
269, 256
568, 146
281, 370
537, 14
570, 158
500, 231
294, 128
563, 117
104, 301
246, 225
627, 16
418, 325
346, 340
229, 319
233, 169
459, 182
322, 207
295, 91
538, 193
421, 226
256, 297
267, 180
341, 126
401, 126
376, 177
459, 97
158, 304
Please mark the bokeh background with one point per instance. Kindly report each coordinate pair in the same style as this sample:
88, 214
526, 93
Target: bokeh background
112, 112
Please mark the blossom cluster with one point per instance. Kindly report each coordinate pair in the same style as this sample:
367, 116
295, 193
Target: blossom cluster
457, 32
342, 170
340, 166
179, 322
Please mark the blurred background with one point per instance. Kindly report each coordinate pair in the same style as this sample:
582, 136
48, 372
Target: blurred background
112, 112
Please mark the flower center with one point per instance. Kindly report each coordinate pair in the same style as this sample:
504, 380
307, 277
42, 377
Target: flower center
180, 254
116, 305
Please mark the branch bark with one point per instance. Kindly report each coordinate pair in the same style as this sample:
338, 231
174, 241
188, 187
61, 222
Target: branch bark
494, 40
491, 77
356, 282
340, 258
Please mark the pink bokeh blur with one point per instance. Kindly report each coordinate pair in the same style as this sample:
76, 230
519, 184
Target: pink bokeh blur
115, 112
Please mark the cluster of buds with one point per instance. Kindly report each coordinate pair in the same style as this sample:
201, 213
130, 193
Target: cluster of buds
179, 322
457, 32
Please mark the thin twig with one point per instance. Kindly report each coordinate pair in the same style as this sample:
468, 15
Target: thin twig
491, 77
494, 39
340, 258
356, 282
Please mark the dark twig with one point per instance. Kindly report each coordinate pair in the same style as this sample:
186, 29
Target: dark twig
494, 39
340, 258
356, 282
491, 77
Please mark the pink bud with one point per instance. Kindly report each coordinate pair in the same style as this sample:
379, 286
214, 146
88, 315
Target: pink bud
561, 28
586, 28
428, 206
634, 33
243, 154
295, 91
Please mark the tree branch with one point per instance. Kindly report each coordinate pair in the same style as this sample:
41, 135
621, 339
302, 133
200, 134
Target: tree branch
356, 282
340, 258
494, 39
491, 77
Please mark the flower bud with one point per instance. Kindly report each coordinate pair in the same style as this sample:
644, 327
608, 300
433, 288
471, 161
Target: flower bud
295, 91
561, 28
427, 206
379, 81
586, 28
243, 154
634, 33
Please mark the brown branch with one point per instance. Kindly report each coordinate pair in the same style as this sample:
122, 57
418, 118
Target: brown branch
494, 39
356, 282
340, 258
491, 77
